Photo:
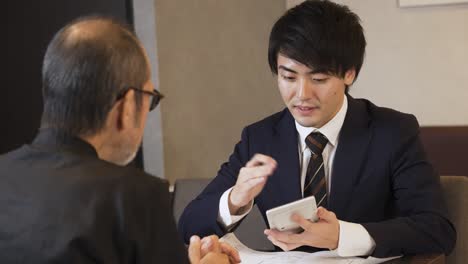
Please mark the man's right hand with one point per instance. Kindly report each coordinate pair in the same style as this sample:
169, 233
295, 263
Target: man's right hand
250, 182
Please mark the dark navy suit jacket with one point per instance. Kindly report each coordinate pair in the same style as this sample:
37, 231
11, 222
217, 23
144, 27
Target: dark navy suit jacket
381, 179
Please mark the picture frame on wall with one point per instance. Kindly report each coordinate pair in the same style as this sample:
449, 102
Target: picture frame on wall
416, 3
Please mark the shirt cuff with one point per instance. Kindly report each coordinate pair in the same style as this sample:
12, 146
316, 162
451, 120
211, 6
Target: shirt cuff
224, 215
354, 240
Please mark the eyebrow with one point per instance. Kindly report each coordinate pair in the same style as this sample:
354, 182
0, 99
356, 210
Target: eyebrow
281, 67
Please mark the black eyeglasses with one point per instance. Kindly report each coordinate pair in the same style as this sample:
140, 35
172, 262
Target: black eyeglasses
155, 94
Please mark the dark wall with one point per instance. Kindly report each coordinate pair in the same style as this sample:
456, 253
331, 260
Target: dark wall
31, 24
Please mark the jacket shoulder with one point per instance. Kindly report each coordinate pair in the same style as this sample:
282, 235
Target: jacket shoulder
389, 125
387, 118
131, 178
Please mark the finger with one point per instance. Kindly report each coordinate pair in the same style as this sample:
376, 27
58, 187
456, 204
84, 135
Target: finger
216, 246
264, 170
251, 181
231, 252
255, 182
210, 244
247, 174
285, 236
284, 246
206, 246
194, 250
320, 211
259, 159
304, 223
326, 215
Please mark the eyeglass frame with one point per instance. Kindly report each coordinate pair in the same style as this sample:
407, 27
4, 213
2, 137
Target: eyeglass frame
156, 96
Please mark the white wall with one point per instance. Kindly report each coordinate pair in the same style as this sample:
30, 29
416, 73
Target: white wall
417, 59
153, 147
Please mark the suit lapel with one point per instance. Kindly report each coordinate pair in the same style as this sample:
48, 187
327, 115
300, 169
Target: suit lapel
350, 156
286, 180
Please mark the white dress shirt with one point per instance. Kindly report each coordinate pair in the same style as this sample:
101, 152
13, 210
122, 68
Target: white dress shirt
354, 240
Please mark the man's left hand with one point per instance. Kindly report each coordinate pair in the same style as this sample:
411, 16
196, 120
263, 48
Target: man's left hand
322, 234
209, 250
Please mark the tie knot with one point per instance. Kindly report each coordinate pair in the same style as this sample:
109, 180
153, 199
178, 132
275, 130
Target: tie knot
316, 142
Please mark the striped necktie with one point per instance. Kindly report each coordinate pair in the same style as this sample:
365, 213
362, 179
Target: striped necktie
315, 183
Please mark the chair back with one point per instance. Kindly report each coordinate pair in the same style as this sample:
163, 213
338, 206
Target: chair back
249, 232
455, 189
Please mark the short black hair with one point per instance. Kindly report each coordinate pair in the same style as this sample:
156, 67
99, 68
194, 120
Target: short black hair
320, 34
88, 63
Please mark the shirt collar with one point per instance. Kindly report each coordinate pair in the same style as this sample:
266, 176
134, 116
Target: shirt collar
331, 130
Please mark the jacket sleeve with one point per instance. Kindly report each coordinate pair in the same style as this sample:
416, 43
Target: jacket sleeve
201, 215
421, 223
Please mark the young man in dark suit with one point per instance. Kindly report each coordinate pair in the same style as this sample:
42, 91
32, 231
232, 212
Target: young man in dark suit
68, 197
378, 194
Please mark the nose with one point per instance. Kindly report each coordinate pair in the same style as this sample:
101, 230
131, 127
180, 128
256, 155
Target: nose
305, 90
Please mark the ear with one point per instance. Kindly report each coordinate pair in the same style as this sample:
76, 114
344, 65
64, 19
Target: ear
125, 111
349, 76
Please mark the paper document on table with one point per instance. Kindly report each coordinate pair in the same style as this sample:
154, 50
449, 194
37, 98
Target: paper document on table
250, 256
